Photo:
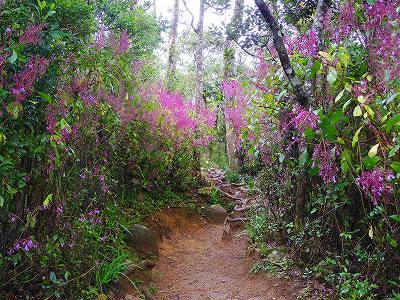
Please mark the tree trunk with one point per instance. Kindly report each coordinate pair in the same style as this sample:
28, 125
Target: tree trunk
302, 98
199, 59
231, 137
279, 45
172, 53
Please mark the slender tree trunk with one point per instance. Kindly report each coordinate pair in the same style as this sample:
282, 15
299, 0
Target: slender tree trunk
279, 45
231, 136
172, 53
302, 98
199, 59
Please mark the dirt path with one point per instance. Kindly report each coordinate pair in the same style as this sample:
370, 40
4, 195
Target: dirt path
198, 264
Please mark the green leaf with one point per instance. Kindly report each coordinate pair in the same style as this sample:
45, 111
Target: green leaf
45, 97
345, 160
340, 141
48, 199
357, 111
328, 130
371, 162
373, 151
303, 158
1, 201
313, 171
315, 69
332, 76
338, 116
396, 166
392, 122
369, 111
340, 95
395, 218
393, 152
346, 105
355, 137
13, 58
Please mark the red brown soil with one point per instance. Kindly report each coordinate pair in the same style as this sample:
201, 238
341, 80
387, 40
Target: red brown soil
197, 264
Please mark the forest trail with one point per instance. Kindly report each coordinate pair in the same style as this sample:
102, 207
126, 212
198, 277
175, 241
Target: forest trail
198, 264
207, 261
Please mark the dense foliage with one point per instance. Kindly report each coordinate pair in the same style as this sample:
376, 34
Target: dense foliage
330, 171
91, 141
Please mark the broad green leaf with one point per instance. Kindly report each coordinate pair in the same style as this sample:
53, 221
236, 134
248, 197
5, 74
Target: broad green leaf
357, 111
395, 218
369, 111
332, 76
1, 201
48, 199
303, 158
13, 58
393, 152
339, 96
315, 69
328, 130
355, 137
371, 162
373, 151
340, 141
396, 166
345, 161
392, 122
361, 99
45, 97
344, 58
346, 105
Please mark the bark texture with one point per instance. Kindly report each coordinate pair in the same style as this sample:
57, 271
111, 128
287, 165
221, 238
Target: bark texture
279, 45
172, 52
231, 136
199, 58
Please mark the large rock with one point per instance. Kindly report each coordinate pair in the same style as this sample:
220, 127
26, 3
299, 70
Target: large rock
143, 240
216, 214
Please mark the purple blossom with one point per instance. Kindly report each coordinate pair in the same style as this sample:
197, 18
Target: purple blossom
347, 22
325, 156
304, 118
123, 43
32, 35
100, 41
25, 80
24, 244
307, 44
60, 210
376, 183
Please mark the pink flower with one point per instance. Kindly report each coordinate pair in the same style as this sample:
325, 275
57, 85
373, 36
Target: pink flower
304, 118
32, 35
25, 80
123, 43
376, 183
24, 244
325, 156
100, 41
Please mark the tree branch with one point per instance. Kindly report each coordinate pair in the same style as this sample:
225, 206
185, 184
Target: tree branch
192, 21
